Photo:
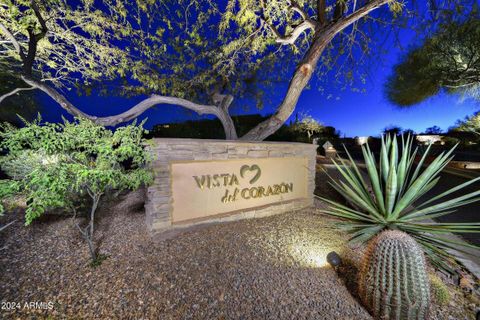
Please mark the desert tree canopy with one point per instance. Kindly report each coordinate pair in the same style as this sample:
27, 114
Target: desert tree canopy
469, 124
196, 54
63, 44
448, 60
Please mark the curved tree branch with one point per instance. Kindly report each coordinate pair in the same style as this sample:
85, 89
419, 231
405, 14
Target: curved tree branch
304, 26
13, 40
220, 111
11, 93
297, 8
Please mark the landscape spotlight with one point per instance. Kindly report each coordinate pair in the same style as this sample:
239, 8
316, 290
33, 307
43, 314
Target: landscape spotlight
334, 259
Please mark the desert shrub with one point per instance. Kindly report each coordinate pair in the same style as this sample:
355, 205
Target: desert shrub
396, 184
440, 291
20, 166
384, 205
58, 165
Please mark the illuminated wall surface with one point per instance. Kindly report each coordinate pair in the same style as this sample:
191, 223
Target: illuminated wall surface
199, 181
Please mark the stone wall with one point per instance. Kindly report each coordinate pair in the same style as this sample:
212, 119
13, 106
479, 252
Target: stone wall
167, 152
464, 164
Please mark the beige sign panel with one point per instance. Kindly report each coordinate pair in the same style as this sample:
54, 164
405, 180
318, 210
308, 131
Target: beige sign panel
206, 188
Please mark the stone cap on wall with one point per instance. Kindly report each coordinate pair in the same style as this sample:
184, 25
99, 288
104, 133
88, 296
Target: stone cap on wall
157, 141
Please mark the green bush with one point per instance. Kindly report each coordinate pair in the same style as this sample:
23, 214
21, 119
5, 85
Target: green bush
57, 165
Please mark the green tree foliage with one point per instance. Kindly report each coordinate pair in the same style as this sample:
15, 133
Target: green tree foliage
392, 130
180, 51
449, 60
73, 43
469, 124
388, 204
189, 50
308, 125
433, 130
58, 165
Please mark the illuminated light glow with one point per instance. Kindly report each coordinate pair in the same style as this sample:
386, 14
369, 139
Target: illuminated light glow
313, 256
51, 159
430, 138
362, 140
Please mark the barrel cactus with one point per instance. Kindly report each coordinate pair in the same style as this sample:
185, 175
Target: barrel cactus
393, 280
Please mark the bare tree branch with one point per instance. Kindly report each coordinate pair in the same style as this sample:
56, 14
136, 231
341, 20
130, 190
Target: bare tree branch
321, 12
296, 7
40, 20
304, 26
11, 93
297, 31
14, 41
357, 15
8, 224
220, 111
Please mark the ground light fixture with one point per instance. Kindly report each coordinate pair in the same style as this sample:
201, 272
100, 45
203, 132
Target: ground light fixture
334, 259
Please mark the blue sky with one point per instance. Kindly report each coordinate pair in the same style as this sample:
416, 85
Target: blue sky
361, 114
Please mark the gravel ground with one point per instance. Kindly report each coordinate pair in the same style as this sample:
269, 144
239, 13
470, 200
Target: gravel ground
270, 268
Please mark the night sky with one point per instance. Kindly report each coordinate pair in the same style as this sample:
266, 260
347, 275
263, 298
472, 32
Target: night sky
353, 113
363, 114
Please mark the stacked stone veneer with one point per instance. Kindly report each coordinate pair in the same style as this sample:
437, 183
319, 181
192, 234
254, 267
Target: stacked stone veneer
158, 206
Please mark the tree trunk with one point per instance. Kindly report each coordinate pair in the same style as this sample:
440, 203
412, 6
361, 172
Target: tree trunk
89, 233
226, 119
96, 200
300, 79
228, 125
91, 248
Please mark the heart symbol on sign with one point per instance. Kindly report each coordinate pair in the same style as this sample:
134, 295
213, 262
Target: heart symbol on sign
254, 167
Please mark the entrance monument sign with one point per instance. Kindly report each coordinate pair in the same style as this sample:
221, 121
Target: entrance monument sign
216, 187
202, 181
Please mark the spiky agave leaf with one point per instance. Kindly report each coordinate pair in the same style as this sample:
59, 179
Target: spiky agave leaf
396, 184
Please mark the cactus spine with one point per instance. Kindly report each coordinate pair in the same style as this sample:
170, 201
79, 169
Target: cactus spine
393, 280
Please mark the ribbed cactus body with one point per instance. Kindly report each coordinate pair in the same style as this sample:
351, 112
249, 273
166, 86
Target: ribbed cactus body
393, 280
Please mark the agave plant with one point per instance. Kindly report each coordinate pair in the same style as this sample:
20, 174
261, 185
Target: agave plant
386, 200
